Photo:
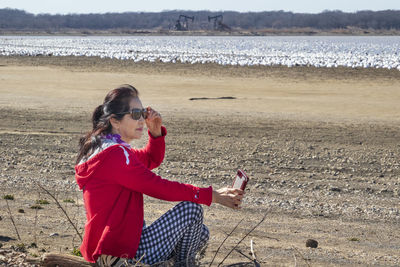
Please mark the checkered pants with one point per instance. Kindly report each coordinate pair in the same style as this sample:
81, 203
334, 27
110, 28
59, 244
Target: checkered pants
178, 234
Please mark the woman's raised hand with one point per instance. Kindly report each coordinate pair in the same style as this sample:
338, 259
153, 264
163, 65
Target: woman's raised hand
153, 122
229, 197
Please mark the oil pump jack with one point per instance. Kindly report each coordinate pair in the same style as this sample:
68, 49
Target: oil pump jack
218, 24
182, 24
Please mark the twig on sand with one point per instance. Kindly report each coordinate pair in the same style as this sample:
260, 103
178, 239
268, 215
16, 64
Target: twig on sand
225, 240
252, 250
305, 260
263, 260
244, 255
59, 205
35, 226
253, 254
273, 238
139, 260
12, 219
36, 221
240, 241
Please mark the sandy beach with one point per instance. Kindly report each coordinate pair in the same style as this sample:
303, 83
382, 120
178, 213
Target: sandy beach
320, 146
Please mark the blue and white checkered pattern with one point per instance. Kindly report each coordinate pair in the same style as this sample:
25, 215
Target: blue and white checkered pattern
179, 234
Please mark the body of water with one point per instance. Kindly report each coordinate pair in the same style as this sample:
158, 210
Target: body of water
321, 51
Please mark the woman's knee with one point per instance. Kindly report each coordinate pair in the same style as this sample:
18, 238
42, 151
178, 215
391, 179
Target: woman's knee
192, 210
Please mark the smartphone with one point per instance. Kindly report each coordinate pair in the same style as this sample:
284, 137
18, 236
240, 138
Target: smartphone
241, 180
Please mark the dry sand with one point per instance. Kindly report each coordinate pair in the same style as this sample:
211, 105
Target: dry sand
320, 145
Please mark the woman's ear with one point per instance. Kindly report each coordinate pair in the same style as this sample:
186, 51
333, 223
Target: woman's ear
115, 125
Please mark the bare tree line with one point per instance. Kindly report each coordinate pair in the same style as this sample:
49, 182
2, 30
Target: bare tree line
13, 19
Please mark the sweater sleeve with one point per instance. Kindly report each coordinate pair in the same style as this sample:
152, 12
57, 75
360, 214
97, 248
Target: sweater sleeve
125, 169
153, 153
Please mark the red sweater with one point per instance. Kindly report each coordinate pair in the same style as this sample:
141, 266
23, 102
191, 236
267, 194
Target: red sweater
113, 182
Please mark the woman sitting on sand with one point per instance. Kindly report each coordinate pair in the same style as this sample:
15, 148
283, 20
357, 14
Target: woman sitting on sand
114, 177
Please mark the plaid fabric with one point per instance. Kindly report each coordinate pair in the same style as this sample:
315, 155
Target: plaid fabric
177, 235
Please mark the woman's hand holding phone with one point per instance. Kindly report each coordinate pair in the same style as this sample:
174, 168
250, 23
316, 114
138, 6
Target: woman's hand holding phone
229, 197
232, 196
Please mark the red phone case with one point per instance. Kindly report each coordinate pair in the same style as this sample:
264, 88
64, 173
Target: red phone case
241, 180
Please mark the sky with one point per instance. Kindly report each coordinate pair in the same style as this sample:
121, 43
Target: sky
102, 6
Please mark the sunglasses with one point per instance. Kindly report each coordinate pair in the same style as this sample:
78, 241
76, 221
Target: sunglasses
136, 113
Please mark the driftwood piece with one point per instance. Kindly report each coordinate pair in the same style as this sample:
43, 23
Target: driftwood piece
63, 260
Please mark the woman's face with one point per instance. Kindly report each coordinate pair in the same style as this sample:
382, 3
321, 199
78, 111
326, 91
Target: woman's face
128, 128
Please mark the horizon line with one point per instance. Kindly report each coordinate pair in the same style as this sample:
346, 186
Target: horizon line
202, 10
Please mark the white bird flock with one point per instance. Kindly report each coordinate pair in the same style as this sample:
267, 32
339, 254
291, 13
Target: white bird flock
327, 51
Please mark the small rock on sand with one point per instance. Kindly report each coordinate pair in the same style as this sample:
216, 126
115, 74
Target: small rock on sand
311, 243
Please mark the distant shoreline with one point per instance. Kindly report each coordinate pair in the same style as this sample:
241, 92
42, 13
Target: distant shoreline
97, 64
262, 32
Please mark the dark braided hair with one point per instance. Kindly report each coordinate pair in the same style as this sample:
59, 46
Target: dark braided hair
116, 101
